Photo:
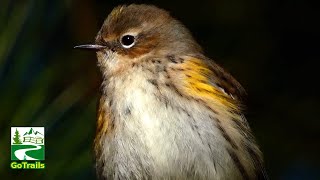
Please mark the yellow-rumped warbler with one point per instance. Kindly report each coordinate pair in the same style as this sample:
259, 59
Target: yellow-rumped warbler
167, 111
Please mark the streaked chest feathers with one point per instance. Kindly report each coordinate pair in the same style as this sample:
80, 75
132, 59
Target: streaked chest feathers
172, 121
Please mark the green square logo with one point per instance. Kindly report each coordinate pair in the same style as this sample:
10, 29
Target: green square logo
27, 143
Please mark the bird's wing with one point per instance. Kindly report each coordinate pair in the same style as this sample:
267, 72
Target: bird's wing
204, 80
223, 79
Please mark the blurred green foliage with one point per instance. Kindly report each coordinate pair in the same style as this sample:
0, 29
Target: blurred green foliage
44, 82
271, 47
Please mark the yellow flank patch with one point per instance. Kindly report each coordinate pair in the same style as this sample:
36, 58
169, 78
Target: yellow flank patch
198, 85
103, 121
103, 127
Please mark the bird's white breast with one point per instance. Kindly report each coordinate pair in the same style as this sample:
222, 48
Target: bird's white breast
171, 136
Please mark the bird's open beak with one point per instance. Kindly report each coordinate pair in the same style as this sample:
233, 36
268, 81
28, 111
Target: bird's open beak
94, 47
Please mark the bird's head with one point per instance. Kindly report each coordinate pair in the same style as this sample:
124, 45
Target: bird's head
133, 31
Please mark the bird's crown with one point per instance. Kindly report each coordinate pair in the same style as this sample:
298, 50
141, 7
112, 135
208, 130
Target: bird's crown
135, 30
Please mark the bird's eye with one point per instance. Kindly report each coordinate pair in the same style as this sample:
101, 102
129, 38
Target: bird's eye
127, 41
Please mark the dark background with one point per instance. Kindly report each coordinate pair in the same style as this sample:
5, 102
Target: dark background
270, 46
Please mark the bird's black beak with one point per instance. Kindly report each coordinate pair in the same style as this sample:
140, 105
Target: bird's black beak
93, 47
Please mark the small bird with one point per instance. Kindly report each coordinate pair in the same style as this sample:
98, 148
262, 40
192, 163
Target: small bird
166, 110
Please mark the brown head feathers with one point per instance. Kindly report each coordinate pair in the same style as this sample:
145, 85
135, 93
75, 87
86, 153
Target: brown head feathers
152, 27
